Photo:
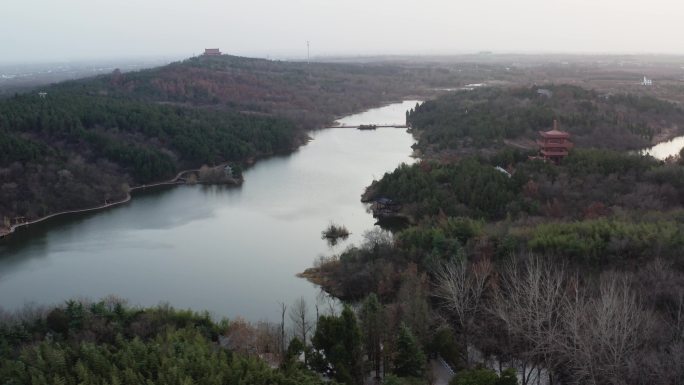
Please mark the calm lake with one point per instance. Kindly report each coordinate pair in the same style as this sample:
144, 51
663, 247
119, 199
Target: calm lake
232, 251
666, 149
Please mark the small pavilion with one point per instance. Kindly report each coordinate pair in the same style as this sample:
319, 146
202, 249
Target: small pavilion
212, 52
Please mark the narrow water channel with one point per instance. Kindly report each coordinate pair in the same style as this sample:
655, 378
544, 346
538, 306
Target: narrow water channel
232, 251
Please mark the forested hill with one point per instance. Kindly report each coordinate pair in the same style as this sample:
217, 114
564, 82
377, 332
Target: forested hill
87, 140
311, 94
107, 342
489, 116
540, 265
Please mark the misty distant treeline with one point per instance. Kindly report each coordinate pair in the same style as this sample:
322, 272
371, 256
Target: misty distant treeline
310, 95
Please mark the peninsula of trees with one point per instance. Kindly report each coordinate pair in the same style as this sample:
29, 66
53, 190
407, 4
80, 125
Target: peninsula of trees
567, 273
491, 117
84, 143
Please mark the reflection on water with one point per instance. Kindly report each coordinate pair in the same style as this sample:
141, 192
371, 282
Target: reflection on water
393, 224
233, 251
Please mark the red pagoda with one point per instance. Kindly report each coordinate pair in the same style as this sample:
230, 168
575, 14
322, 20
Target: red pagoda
555, 144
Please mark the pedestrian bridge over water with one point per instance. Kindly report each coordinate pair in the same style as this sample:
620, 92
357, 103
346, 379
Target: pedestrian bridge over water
396, 125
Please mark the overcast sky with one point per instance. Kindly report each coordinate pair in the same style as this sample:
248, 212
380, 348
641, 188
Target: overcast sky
56, 30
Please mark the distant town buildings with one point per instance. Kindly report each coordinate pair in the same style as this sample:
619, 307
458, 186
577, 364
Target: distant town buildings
545, 93
212, 52
555, 144
647, 82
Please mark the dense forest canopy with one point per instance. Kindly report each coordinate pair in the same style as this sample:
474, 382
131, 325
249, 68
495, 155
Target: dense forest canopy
310, 94
570, 271
603, 195
543, 269
485, 117
71, 150
107, 342
475, 187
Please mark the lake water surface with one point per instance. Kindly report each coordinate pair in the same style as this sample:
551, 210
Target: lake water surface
666, 149
232, 251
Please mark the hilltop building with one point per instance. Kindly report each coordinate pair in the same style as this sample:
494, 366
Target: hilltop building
647, 82
212, 52
555, 144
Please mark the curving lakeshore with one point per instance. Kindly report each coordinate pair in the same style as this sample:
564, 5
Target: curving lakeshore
171, 182
231, 250
666, 149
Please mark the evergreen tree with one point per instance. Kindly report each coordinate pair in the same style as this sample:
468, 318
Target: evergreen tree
338, 338
372, 323
295, 348
484, 376
410, 359
475, 377
508, 377
101, 347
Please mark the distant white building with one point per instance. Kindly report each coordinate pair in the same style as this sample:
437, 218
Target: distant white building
647, 82
42, 95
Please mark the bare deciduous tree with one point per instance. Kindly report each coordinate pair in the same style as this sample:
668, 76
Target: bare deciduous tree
299, 315
283, 348
462, 287
529, 301
377, 237
605, 332
412, 299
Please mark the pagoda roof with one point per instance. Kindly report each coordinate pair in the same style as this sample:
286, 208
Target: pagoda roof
554, 134
564, 144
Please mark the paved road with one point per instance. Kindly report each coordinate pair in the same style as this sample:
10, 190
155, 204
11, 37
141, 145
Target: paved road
440, 371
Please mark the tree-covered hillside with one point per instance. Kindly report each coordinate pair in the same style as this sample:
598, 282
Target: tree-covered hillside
588, 183
309, 94
107, 342
70, 150
568, 272
87, 141
486, 117
553, 270
599, 207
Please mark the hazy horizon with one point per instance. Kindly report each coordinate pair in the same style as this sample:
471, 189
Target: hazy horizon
72, 30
